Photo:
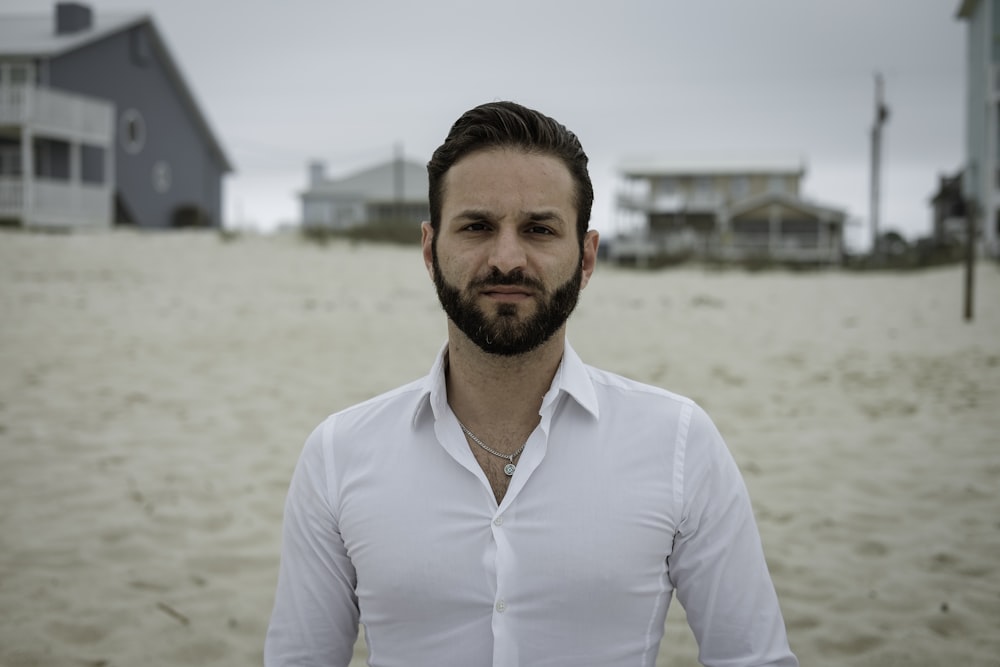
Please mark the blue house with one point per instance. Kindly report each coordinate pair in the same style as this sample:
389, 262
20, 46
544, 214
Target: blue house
97, 126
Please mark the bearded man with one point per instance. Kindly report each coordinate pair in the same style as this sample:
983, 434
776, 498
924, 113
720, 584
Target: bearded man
517, 506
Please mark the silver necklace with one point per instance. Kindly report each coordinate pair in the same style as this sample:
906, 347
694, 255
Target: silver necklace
507, 469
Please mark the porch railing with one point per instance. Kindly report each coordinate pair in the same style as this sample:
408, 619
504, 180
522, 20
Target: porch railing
56, 112
674, 203
48, 203
736, 247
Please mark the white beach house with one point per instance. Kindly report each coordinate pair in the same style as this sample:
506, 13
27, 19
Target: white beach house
722, 210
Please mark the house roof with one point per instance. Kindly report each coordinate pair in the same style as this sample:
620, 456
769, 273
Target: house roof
814, 208
708, 165
377, 183
34, 36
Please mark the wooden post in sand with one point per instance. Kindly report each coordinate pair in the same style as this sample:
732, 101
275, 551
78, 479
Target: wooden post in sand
971, 214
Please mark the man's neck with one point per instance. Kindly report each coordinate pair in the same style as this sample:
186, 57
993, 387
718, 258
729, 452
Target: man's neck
493, 391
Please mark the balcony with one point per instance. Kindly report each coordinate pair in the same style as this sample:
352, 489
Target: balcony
58, 204
58, 114
645, 248
664, 203
62, 190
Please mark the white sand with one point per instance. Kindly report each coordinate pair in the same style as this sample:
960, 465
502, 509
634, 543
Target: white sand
155, 391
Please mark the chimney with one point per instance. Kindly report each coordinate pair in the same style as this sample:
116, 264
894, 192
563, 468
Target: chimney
73, 17
317, 173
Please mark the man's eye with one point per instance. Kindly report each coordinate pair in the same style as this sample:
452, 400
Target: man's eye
538, 229
476, 227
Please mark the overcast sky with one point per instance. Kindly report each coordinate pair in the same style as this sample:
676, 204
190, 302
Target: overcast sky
286, 82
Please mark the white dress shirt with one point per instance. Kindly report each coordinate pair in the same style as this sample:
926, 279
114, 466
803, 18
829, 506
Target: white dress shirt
624, 493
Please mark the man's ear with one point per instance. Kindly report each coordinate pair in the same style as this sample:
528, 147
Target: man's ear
426, 241
590, 242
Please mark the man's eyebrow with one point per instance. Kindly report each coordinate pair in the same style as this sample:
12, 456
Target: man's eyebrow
484, 214
544, 216
474, 214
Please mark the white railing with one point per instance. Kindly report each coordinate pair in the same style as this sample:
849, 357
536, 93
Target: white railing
673, 203
11, 198
55, 204
54, 111
738, 247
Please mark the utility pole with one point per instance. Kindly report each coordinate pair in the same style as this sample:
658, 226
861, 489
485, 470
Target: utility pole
881, 116
398, 182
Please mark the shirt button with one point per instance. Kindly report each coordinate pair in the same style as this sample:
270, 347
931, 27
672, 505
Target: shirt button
498, 521
501, 606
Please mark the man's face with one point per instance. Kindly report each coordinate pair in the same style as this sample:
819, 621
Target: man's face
506, 260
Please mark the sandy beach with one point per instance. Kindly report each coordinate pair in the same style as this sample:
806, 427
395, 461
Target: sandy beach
156, 389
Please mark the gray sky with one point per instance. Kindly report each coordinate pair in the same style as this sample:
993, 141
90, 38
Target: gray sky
283, 82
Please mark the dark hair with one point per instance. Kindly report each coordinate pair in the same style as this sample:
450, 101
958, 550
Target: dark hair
510, 125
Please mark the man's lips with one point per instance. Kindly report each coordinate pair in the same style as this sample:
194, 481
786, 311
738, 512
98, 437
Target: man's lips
506, 293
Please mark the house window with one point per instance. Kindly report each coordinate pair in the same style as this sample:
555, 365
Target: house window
666, 185
18, 74
702, 187
739, 187
776, 184
91, 164
162, 177
10, 157
52, 159
344, 216
132, 131
805, 233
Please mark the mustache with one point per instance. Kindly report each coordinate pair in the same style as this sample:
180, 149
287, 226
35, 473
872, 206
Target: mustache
516, 278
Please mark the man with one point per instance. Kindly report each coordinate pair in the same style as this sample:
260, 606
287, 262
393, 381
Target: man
515, 506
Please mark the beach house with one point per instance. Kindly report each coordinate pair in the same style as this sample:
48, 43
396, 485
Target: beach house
97, 126
392, 192
723, 210
981, 180
948, 211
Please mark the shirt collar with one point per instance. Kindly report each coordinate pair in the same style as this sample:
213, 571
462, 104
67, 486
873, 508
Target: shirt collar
571, 378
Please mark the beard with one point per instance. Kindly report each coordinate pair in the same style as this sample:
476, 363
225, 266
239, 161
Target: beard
504, 333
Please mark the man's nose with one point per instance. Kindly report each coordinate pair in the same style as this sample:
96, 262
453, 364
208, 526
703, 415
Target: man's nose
507, 253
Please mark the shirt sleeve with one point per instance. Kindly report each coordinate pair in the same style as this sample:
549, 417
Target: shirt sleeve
717, 564
315, 618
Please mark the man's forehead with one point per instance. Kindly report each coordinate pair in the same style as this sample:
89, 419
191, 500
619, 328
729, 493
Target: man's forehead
504, 166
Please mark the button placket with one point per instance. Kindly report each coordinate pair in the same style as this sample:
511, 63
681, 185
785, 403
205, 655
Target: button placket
502, 562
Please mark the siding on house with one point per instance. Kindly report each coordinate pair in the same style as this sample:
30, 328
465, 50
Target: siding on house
393, 192
726, 212
167, 164
164, 160
56, 157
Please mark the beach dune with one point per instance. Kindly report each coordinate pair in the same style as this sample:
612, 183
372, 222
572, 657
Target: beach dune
156, 389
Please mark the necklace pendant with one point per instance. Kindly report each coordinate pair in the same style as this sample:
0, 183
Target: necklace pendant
509, 469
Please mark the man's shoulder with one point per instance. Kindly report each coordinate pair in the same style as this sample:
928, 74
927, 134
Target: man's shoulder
627, 387
398, 402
